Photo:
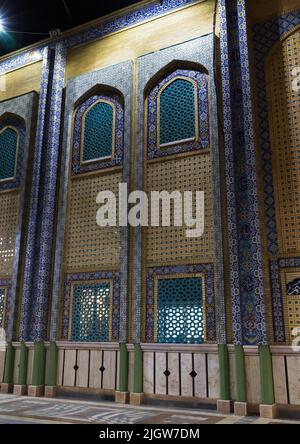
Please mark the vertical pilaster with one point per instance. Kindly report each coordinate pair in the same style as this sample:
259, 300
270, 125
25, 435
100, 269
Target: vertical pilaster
240, 405
50, 389
240, 374
21, 387
48, 196
224, 372
266, 375
122, 394
27, 302
7, 384
229, 167
255, 292
38, 372
136, 397
123, 383
247, 288
23, 364
43, 198
267, 407
224, 404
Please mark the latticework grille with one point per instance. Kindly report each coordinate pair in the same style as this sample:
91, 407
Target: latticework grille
9, 204
88, 246
170, 244
91, 312
8, 152
177, 111
180, 310
99, 128
284, 114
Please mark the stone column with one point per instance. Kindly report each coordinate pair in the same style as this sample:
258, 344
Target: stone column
36, 388
245, 249
7, 384
267, 408
35, 201
50, 388
21, 387
137, 396
38, 262
122, 395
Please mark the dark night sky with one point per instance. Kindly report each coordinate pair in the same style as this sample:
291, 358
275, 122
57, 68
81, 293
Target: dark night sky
41, 16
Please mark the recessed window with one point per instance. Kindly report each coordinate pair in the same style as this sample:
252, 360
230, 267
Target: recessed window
177, 121
180, 316
99, 132
178, 114
91, 312
8, 152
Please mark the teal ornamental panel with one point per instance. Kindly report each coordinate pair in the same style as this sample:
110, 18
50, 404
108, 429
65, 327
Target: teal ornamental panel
91, 312
180, 311
8, 152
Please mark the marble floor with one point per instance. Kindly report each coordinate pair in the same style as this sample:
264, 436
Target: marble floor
24, 410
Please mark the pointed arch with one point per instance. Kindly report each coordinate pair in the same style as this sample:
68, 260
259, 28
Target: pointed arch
98, 130
169, 68
177, 109
12, 128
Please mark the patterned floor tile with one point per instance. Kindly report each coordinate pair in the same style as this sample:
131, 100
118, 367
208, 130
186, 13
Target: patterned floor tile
24, 410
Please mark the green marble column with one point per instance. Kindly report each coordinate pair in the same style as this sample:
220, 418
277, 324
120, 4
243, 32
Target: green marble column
224, 372
240, 372
22, 379
266, 376
52, 370
9, 364
39, 358
123, 377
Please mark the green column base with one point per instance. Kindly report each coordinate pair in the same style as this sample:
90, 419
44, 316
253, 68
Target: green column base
9, 364
39, 358
240, 374
52, 369
123, 376
266, 376
224, 373
22, 379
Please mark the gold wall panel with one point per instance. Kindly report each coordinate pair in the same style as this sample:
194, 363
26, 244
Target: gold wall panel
9, 204
159, 33
88, 246
261, 10
21, 81
284, 115
170, 244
